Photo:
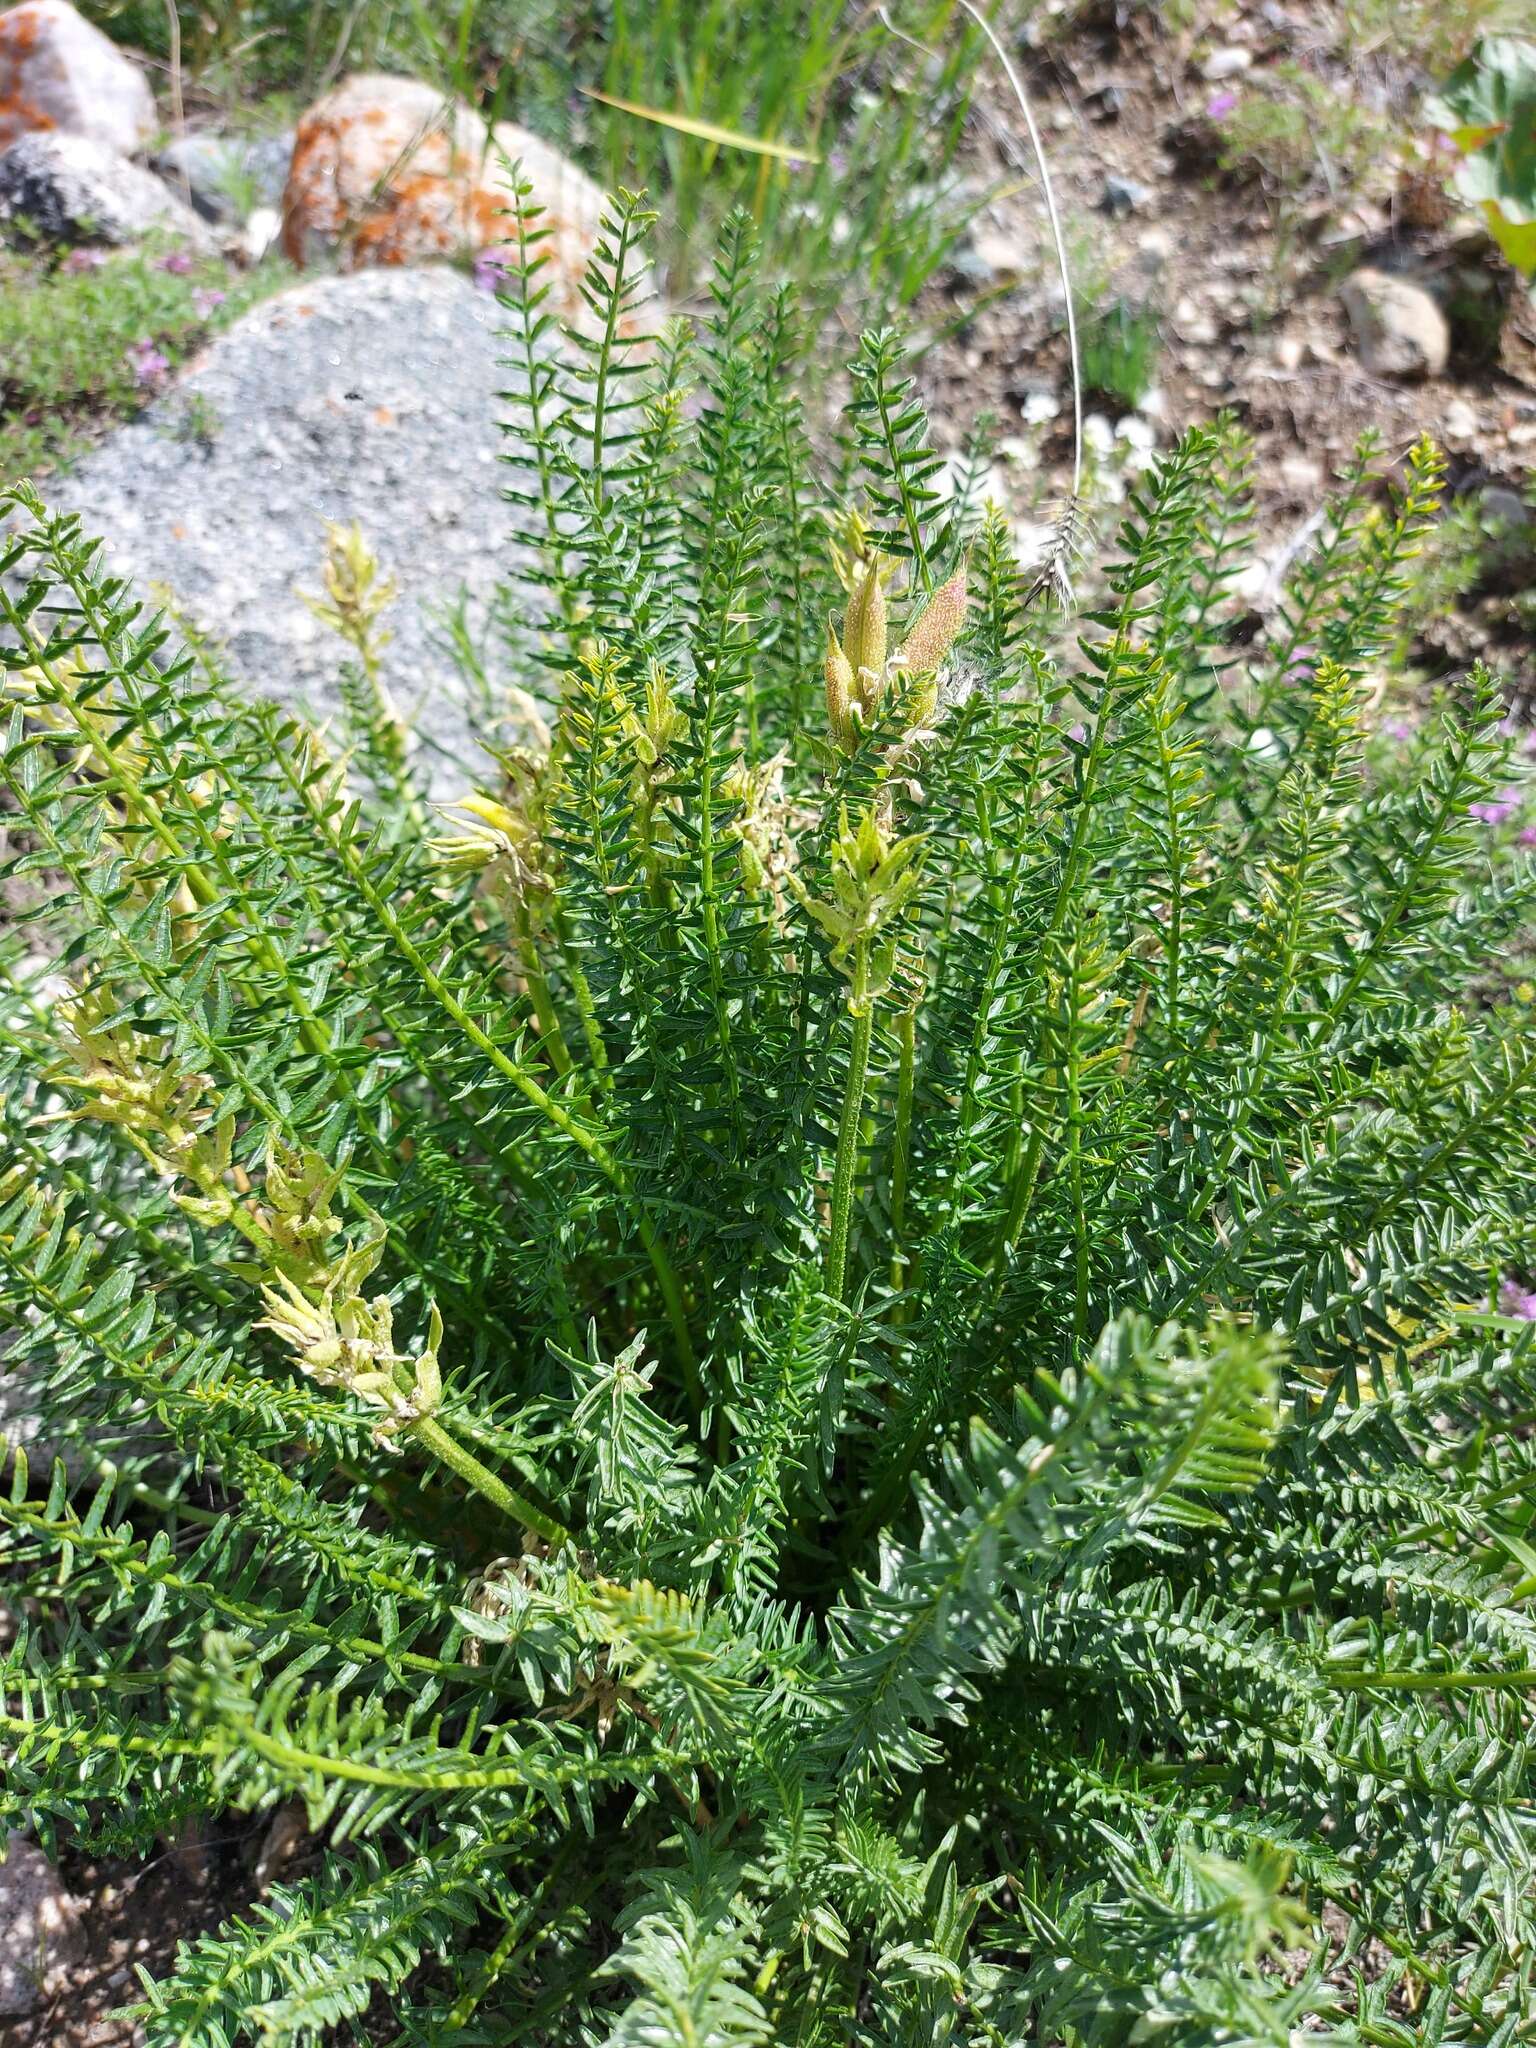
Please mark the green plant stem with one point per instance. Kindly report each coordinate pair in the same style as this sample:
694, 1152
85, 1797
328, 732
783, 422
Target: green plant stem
517, 1940
387, 734
550, 1034
586, 1007
848, 1139
901, 1147
1022, 1192
450, 1452
1430, 1681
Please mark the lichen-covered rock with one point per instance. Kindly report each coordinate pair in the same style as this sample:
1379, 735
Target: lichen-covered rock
39, 1929
371, 398
1399, 330
59, 73
69, 188
387, 170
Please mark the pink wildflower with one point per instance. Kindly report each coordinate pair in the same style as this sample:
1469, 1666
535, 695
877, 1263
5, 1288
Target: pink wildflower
78, 261
204, 301
1498, 808
178, 263
147, 364
1221, 103
491, 269
1515, 1300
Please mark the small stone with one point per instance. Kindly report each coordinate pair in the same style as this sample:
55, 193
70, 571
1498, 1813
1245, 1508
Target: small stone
1123, 196
966, 267
1301, 474
39, 1928
1098, 434
1022, 453
59, 74
996, 257
259, 235
286, 1835
1459, 421
69, 188
1399, 330
1152, 404
1288, 351
1505, 505
1226, 63
1040, 406
1137, 433
1154, 247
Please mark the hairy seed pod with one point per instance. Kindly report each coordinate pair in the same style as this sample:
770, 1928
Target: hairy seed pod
864, 623
838, 671
937, 627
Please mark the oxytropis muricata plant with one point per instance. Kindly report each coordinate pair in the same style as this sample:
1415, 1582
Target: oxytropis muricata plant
841, 1363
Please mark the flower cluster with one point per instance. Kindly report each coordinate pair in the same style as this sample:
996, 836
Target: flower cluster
342, 1340
874, 879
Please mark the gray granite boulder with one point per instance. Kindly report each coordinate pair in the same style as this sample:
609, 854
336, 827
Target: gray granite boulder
72, 188
371, 398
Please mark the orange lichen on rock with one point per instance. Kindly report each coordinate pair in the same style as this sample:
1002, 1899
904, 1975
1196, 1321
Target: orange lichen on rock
58, 72
388, 171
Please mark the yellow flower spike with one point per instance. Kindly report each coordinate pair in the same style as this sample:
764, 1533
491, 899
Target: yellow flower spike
762, 833
355, 593
874, 879
340, 1340
490, 812
298, 1217
652, 735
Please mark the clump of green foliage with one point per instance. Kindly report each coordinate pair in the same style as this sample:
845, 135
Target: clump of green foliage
1120, 347
866, 203
1293, 129
86, 338
833, 1369
1488, 108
